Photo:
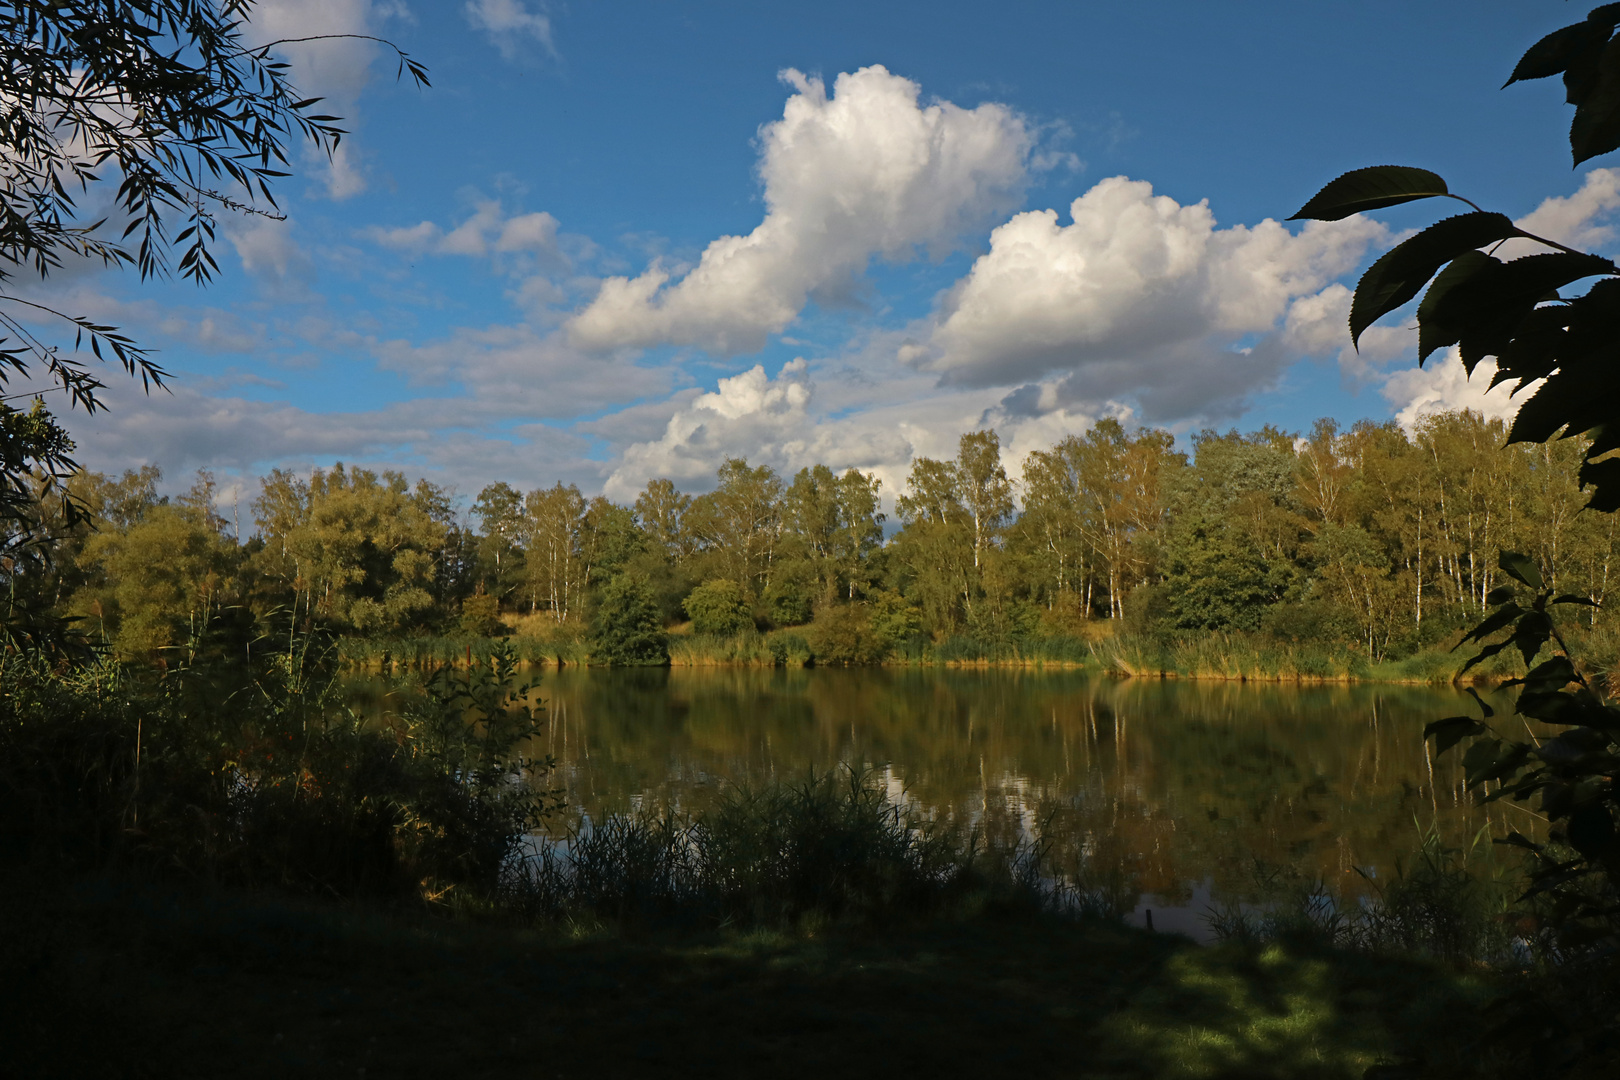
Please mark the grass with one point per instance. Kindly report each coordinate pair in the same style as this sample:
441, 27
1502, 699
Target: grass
118, 977
827, 850
426, 653
1258, 658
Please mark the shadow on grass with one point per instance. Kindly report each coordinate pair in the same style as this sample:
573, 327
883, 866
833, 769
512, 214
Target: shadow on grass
113, 978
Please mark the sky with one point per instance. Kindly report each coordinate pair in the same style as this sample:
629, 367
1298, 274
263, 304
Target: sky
620, 241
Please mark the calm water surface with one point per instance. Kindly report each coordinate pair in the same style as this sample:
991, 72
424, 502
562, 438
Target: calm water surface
1170, 790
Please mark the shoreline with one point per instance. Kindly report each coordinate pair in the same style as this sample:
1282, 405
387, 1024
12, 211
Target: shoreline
391, 665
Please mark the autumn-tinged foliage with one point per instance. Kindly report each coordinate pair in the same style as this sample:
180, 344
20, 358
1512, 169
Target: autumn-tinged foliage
1374, 540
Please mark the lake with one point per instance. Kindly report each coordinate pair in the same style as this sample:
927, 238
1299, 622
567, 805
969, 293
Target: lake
1173, 792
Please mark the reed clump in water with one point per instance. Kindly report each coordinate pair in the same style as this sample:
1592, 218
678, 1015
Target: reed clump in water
832, 848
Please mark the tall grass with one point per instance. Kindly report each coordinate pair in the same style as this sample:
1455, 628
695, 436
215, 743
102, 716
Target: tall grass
1454, 905
828, 849
746, 649
399, 655
272, 784
1260, 658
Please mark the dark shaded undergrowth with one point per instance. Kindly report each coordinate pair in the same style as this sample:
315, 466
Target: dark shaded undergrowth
117, 978
258, 883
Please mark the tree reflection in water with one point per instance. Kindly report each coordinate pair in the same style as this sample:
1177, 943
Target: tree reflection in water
1167, 792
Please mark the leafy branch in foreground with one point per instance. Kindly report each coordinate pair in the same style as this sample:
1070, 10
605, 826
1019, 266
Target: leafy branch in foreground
1572, 772
166, 98
1514, 311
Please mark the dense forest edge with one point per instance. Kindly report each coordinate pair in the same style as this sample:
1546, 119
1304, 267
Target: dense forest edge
1337, 555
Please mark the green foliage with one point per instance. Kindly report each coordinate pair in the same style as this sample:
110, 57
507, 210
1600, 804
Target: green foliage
1513, 311
286, 789
1570, 775
719, 607
830, 848
481, 616
626, 628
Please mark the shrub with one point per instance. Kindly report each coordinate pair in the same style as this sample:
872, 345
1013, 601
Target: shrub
481, 616
625, 627
719, 607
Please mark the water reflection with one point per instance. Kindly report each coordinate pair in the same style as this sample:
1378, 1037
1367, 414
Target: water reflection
1169, 790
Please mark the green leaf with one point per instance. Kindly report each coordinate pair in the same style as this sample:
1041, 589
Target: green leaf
1499, 595
1572, 598
1398, 276
1438, 327
1372, 188
1520, 568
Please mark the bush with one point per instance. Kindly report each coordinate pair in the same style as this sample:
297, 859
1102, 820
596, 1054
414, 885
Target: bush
481, 616
719, 607
287, 791
625, 627
829, 848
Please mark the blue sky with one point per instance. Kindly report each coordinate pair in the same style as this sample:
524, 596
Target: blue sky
620, 241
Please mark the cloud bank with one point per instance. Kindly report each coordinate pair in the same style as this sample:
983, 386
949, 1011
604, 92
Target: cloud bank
867, 172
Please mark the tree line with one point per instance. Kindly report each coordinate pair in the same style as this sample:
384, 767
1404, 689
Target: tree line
1371, 535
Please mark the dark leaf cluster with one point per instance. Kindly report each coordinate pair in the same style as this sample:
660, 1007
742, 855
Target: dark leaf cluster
1513, 310
1569, 772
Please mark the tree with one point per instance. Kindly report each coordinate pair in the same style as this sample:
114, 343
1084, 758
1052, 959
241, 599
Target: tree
660, 511
625, 627
553, 526
499, 510
1513, 311
355, 548
738, 522
34, 461
165, 575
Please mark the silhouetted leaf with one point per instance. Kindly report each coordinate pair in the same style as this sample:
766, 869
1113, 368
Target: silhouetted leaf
1596, 127
1591, 830
1493, 622
1402, 272
1371, 188
1553, 53
1604, 476
1437, 326
1520, 568
1452, 730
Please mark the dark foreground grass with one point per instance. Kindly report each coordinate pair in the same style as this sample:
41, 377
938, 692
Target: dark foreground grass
113, 977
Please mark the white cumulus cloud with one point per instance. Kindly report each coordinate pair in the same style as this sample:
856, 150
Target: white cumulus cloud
868, 171
1443, 385
1136, 295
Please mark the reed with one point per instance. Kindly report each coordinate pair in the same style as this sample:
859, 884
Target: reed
827, 849
400, 655
746, 649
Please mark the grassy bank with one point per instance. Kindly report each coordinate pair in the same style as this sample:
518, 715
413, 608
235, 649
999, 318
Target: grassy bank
116, 977
1224, 656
